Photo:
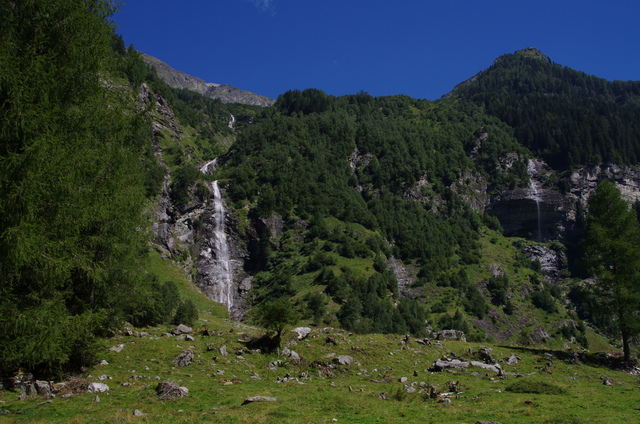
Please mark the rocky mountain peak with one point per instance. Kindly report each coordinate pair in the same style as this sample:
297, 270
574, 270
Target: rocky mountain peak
534, 53
223, 92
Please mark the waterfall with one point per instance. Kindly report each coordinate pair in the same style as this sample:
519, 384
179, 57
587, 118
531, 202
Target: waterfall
216, 249
222, 273
533, 185
232, 122
205, 168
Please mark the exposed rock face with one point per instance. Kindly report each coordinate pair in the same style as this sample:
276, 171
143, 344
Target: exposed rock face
552, 262
548, 214
207, 269
225, 93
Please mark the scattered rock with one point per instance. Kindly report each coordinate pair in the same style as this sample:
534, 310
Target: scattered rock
331, 340
302, 332
181, 329
343, 360
487, 422
167, 390
442, 364
513, 359
184, 359
450, 334
291, 354
223, 351
97, 388
44, 403
43, 388
259, 399
137, 413
453, 386
117, 348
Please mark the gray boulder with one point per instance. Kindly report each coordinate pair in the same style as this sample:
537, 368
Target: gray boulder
259, 399
184, 359
450, 334
302, 332
181, 329
97, 388
343, 360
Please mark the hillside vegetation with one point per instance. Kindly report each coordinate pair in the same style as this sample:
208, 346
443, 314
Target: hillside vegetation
363, 218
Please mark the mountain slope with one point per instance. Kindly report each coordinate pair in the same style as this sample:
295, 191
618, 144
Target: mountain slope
223, 92
564, 116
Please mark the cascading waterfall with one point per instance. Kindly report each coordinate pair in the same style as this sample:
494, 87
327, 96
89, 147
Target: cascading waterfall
205, 168
531, 170
217, 249
224, 278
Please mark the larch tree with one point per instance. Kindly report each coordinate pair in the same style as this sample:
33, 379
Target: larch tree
71, 193
612, 250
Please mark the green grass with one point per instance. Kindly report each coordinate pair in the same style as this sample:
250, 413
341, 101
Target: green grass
352, 395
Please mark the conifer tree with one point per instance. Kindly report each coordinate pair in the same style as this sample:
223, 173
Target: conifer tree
612, 249
71, 194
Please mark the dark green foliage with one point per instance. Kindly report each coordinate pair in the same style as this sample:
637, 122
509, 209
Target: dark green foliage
296, 162
184, 182
562, 115
453, 322
317, 306
170, 298
498, 287
612, 251
275, 316
577, 332
474, 303
186, 313
72, 233
308, 101
523, 385
545, 301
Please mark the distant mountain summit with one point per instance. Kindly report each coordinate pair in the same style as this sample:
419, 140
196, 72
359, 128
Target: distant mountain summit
564, 116
225, 93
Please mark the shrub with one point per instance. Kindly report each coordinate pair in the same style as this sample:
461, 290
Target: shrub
186, 313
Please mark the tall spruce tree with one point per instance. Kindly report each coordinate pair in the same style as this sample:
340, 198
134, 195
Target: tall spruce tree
612, 249
71, 196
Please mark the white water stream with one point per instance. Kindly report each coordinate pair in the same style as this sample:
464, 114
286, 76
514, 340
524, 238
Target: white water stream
535, 196
222, 276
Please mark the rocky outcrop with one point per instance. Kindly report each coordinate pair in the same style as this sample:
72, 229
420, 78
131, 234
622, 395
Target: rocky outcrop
542, 213
223, 92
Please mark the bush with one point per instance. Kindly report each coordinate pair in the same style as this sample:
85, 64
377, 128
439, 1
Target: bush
186, 313
545, 301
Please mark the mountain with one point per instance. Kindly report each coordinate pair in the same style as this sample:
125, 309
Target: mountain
374, 214
564, 116
223, 92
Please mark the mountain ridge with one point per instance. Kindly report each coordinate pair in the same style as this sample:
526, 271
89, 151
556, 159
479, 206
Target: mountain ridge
224, 92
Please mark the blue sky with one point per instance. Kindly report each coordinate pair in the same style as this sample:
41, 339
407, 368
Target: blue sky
420, 48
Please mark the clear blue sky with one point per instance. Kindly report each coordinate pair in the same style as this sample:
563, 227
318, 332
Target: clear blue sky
421, 48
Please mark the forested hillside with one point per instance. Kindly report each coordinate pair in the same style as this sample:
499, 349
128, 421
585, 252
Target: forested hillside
564, 116
372, 214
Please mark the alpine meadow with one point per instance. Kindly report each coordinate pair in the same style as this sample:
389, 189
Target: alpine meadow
173, 250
